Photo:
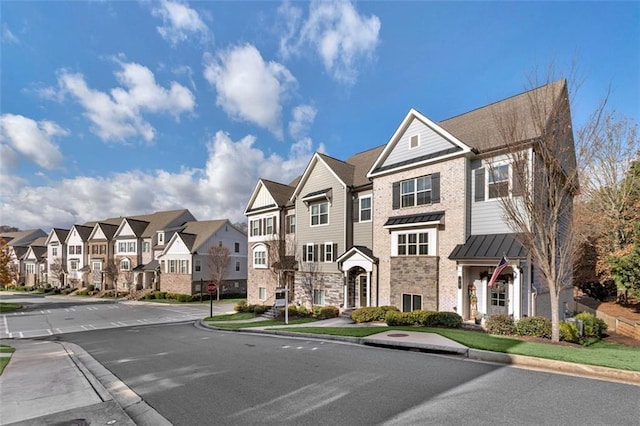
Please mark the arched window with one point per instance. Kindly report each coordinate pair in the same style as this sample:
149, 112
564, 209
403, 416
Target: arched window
260, 256
125, 265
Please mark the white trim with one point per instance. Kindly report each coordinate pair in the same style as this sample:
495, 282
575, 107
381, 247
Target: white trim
416, 225
311, 225
370, 197
432, 242
307, 171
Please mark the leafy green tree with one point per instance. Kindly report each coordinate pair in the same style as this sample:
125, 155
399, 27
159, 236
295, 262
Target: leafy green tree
625, 269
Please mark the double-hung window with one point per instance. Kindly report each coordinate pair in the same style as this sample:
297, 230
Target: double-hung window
73, 264
413, 244
291, 224
318, 297
411, 302
320, 214
309, 253
255, 227
269, 226
415, 192
498, 181
125, 265
260, 257
184, 266
365, 209
328, 252
197, 265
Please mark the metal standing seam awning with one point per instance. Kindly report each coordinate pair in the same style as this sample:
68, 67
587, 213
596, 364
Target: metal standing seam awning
489, 247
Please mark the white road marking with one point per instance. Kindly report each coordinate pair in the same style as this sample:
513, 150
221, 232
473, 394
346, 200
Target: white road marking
5, 323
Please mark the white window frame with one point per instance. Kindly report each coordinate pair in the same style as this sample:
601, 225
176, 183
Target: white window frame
308, 253
74, 264
146, 247
262, 293
254, 227
328, 253
414, 192
369, 209
160, 238
54, 251
490, 176
398, 236
173, 266
259, 256
269, 225
315, 210
292, 224
413, 295
122, 264
197, 265
183, 266
30, 268
319, 297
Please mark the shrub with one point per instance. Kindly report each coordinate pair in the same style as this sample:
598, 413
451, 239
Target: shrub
90, 287
149, 296
183, 297
569, 332
592, 327
303, 312
534, 326
241, 306
370, 314
501, 325
446, 319
395, 318
325, 312
260, 309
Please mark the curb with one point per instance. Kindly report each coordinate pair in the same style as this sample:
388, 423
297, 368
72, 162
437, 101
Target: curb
520, 361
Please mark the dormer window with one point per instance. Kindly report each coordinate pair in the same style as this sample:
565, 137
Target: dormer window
415, 141
161, 238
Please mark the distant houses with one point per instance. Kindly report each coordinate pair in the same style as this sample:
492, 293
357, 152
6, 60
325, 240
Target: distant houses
165, 251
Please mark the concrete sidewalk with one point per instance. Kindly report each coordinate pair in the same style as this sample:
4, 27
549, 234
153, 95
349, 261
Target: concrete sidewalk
51, 383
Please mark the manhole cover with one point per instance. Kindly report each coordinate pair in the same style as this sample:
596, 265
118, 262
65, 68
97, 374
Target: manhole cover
397, 335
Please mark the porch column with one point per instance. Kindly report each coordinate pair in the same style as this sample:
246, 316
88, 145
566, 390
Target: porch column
460, 302
346, 288
368, 288
517, 293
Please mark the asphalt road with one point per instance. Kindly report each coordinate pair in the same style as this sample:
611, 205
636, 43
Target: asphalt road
193, 376
53, 315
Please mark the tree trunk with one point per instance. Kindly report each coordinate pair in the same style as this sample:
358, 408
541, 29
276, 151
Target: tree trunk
555, 315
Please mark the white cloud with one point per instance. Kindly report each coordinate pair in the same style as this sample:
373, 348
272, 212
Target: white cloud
220, 189
180, 21
342, 37
118, 115
31, 139
303, 116
8, 36
248, 88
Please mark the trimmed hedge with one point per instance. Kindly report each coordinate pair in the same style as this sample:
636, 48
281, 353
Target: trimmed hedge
534, 326
502, 325
423, 319
370, 314
257, 309
325, 312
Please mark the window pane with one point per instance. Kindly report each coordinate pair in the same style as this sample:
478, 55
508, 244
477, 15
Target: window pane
408, 200
424, 183
417, 302
406, 303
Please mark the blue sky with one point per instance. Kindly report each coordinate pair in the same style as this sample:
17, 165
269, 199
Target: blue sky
115, 108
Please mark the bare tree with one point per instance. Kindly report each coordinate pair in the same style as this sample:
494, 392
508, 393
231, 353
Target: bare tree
546, 180
310, 276
7, 271
57, 269
280, 261
110, 272
219, 257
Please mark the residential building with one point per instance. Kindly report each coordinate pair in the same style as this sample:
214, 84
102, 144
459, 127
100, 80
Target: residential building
101, 255
18, 244
35, 263
77, 245
57, 257
416, 223
187, 262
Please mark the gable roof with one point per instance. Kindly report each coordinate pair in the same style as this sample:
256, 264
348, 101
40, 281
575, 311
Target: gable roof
155, 221
480, 128
83, 231
22, 238
280, 193
61, 234
108, 229
196, 233
137, 226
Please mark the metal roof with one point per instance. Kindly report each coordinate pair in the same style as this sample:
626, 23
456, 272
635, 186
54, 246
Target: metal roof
490, 246
414, 219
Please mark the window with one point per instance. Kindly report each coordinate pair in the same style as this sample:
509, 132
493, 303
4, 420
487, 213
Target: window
499, 294
269, 226
172, 266
237, 247
262, 293
415, 141
71, 249
184, 266
498, 181
290, 223
328, 252
162, 266
103, 248
161, 238
365, 209
131, 247
94, 249
125, 265
146, 247
30, 268
318, 297
260, 257
320, 214
309, 253
197, 265
54, 251
237, 266
412, 244
255, 227
74, 264
411, 302
122, 247
415, 192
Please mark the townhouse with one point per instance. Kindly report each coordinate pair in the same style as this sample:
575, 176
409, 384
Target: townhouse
416, 223
17, 244
35, 263
204, 252
56, 257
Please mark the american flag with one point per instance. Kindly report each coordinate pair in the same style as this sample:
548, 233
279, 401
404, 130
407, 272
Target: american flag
499, 268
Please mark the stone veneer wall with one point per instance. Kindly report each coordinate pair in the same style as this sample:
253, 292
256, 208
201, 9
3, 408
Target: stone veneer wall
415, 275
176, 283
257, 278
331, 283
452, 202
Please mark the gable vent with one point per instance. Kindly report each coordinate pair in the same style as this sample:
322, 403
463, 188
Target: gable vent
415, 141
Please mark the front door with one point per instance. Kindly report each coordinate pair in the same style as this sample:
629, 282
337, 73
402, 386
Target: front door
499, 298
362, 279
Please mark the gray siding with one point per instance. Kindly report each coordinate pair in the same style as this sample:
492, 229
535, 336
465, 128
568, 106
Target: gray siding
321, 178
487, 217
363, 231
430, 142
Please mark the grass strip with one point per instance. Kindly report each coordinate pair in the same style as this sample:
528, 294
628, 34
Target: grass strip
3, 363
232, 325
8, 307
238, 316
600, 354
7, 349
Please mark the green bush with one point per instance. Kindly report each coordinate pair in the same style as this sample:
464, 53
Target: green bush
395, 318
149, 296
569, 332
325, 312
160, 294
370, 314
446, 319
534, 326
592, 327
91, 287
501, 325
303, 312
241, 306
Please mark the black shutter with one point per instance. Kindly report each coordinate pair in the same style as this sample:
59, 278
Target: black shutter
315, 252
287, 224
396, 195
356, 209
479, 180
518, 171
321, 252
335, 252
435, 188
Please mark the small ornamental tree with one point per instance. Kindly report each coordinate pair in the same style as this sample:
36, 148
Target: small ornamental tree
7, 271
219, 257
625, 269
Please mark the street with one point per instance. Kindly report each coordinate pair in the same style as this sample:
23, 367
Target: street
194, 376
53, 315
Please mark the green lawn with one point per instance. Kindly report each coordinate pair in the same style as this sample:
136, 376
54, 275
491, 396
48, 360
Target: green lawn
7, 307
215, 302
231, 317
4, 361
263, 323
